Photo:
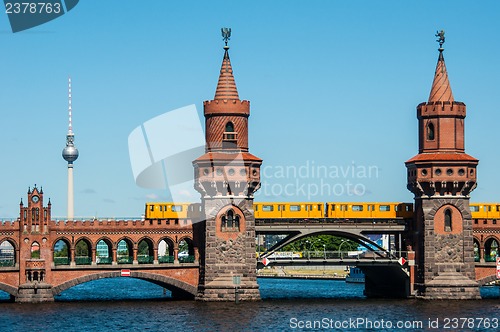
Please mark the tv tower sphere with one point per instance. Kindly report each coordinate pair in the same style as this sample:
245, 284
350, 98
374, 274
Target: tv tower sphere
70, 153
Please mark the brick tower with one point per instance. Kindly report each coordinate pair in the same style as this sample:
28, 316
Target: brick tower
227, 176
35, 251
442, 176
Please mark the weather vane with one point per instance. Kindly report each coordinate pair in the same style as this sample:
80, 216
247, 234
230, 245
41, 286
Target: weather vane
440, 40
226, 34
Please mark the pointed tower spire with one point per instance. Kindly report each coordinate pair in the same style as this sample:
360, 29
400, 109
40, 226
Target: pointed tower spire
441, 89
226, 87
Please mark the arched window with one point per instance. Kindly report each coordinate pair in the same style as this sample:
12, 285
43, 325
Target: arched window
430, 131
35, 250
229, 127
230, 218
230, 222
229, 133
447, 220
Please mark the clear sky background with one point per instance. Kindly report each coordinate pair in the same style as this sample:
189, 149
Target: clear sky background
331, 83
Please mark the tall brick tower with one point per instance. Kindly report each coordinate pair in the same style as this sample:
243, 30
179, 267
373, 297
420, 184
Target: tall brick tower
35, 251
442, 176
227, 176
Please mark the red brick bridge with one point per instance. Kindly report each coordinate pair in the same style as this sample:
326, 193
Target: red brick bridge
40, 257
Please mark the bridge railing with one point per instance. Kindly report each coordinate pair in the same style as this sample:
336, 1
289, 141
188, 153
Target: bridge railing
338, 255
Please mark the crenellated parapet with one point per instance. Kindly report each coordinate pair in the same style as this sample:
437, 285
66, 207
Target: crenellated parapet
226, 107
441, 108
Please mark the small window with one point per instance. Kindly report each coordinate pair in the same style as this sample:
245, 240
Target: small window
151, 208
494, 221
267, 208
229, 127
294, 208
332, 207
256, 208
176, 208
230, 222
430, 131
447, 220
384, 208
357, 208
474, 208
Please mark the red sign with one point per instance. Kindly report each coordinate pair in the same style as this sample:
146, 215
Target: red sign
402, 261
498, 267
125, 273
265, 261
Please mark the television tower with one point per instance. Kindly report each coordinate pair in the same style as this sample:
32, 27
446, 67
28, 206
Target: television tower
70, 154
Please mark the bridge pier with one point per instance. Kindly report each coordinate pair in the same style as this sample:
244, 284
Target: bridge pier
35, 293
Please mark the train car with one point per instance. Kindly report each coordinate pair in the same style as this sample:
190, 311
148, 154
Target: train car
163, 210
295, 210
485, 210
368, 210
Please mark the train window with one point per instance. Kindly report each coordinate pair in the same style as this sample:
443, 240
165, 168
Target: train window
151, 208
384, 208
256, 207
474, 208
408, 208
357, 208
332, 207
487, 208
319, 207
176, 208
294, 208
267, 208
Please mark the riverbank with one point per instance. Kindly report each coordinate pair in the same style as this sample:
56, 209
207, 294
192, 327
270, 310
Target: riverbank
337, 273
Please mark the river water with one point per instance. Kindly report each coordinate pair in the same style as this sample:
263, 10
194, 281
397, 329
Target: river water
288, 304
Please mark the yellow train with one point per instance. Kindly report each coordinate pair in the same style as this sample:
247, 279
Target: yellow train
162, 210
319, 210
485, 210
315, 210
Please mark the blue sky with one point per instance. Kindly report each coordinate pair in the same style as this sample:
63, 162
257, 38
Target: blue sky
331, 84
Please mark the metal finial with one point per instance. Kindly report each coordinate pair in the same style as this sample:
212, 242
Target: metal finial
226, 34
440, 40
